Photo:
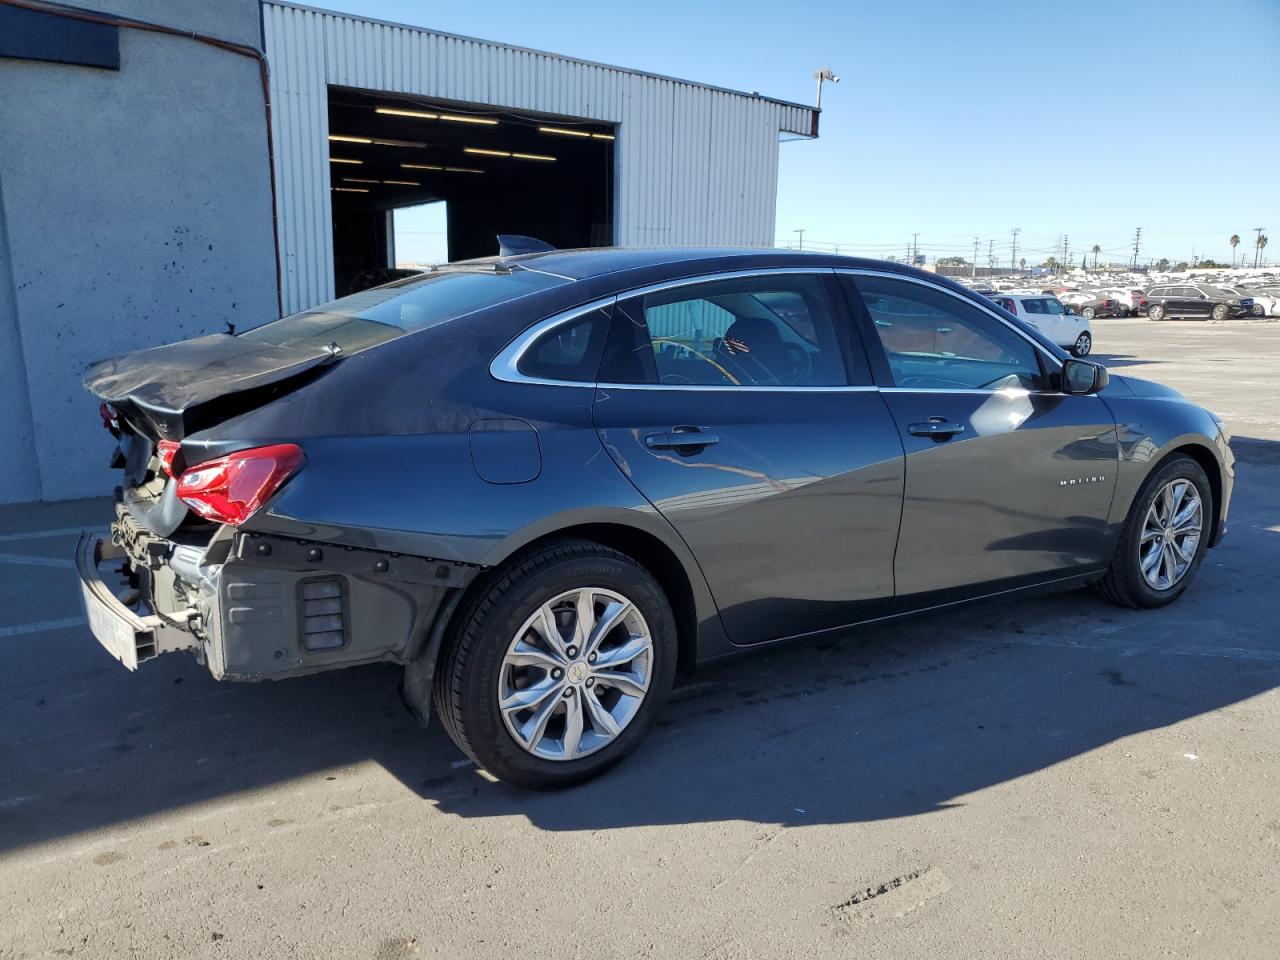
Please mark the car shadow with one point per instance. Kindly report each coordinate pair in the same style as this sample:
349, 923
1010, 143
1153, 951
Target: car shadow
893, 720
1121, 360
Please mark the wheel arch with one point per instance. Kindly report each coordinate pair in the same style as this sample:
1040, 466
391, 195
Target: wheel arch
697, 619
1212, 468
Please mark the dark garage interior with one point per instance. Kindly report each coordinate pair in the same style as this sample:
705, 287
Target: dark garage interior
500, 172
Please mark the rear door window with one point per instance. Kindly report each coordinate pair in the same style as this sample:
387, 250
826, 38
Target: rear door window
770, 330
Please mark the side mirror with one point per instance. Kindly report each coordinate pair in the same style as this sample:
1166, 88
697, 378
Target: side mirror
1083, 377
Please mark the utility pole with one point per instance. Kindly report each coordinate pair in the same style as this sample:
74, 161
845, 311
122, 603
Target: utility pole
991, 254
1257, 248
1066, 250
1013, 259
1137, 245
974, 271
915, 248
801, 232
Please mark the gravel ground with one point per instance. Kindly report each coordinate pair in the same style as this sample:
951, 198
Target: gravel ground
1052, 777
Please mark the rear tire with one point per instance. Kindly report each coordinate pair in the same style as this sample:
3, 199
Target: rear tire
502, 652
1088, 313
1131, 579
1155, 312
1219, 311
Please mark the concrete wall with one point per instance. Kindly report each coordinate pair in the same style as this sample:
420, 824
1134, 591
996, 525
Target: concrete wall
135, 209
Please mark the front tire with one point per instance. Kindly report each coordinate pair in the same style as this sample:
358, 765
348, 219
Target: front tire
559, 666
1155, 312
1082, 346
1219, 311
1163, 539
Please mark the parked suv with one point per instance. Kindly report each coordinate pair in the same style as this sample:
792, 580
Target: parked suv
1047, 314
1195, 300
547, 484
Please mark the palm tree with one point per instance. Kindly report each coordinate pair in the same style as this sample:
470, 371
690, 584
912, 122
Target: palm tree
1261, 244
1235, 242
1096, 250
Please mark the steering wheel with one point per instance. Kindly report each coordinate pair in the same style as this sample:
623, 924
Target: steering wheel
799, 367
752, 369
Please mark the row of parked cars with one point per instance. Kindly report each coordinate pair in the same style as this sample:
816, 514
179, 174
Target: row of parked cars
1218, 301
1065, 312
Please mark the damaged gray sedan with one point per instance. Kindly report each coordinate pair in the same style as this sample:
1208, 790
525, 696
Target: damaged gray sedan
549, 484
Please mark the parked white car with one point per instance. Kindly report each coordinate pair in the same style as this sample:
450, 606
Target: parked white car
1264, 304
1048, 315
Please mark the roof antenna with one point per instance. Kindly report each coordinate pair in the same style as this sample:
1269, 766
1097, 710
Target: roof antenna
513, 244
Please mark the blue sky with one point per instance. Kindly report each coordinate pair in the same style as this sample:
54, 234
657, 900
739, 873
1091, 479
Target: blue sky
956, 119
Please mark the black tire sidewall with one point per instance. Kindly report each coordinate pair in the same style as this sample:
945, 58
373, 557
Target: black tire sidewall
1088, 348
1219, 312
491, 744
1155, 313
1179, 467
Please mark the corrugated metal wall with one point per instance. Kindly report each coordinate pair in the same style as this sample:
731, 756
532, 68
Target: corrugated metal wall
695, 164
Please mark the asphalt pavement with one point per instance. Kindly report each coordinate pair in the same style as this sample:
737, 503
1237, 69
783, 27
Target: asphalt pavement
1052, 777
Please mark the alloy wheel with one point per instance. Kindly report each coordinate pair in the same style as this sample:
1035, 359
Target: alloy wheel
575, 674
1084, 343
1171, 534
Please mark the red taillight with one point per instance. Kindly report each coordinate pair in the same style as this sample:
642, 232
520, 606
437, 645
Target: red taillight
110, 420
230, 489
166, 450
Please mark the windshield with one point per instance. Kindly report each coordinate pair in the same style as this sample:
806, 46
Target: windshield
373, 316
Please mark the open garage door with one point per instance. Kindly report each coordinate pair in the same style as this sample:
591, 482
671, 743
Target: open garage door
498, 171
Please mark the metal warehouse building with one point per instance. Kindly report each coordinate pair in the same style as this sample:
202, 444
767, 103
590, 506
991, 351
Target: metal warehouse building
143, 201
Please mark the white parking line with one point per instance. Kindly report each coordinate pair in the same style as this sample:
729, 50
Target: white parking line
45, 534
35, 561
43, 626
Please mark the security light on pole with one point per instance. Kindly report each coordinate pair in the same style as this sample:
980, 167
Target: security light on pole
822, 76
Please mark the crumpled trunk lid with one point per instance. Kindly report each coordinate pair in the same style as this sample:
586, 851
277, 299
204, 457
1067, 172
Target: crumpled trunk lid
172, 391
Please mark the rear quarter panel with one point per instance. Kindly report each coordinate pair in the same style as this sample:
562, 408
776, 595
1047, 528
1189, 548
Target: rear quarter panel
410, 481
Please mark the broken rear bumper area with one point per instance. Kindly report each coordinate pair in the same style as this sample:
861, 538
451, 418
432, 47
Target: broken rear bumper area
253, 606
130, 637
